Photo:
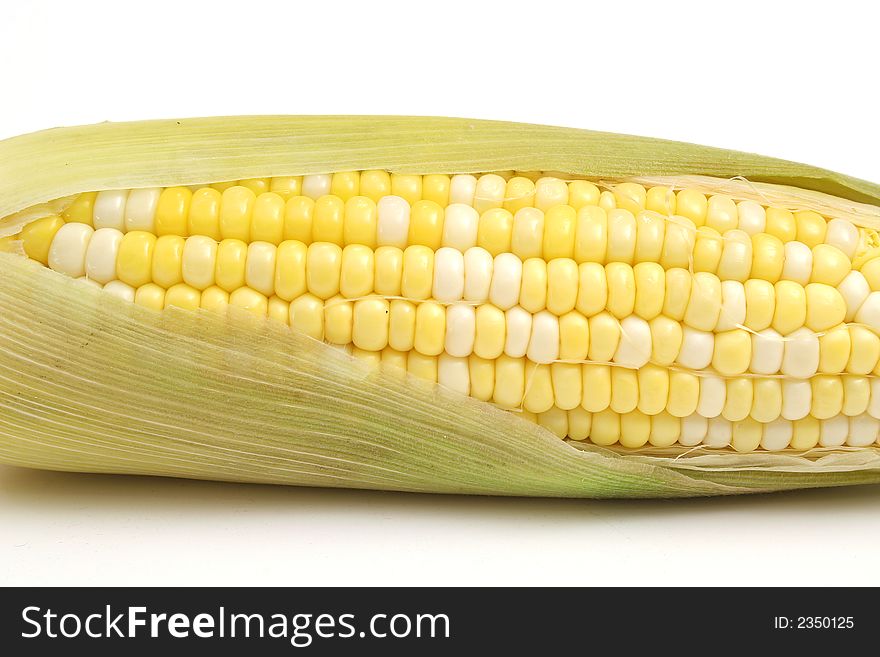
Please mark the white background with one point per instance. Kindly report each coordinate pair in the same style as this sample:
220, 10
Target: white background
794, 80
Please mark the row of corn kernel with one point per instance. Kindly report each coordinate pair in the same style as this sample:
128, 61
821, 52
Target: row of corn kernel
718, 212
536, 387
707, 303
138, 258
634, 430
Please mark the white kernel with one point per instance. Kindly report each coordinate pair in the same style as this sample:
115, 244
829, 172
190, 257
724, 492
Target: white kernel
477, 274
316, 185
797, 397
519, 331
696, 348
752, 217
460, 226
453, 373
544, 341
140, 209
67, 253
260, 267
393, 222
121, 290
489, 192
448, 274
854, 289
733, 306
833, 431
800, 357
693, 430
506, 280
863, 430
199, 261
844, 235
798, 263
713, 395
869, 312
461, 326
101, 255
719, 434
634, 348
777, 435
549, 192
109, 209
768, 348
462, 189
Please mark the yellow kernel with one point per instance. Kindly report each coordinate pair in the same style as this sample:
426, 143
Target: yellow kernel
150, 296
298, 214
375, 184
768, 257
418, 272
562, 285
582, 193
407, 187
307, 315
338, 320
267, 220
357, 271
215, 299
204, 213
278, 311
250, 300
520, 193
630, 196
236, 208
323, 267
81, 210
327, 220
426, 224
560, 222
605, 428
168, 260
370, 327
402, 324
172, 210
435, 187
495, 231
256, 185
781, 224
231, 264
37, 237
693, 205
662, 200
810, 227
361, 221
596, 385
345, 184
591, 239
592, 289
389, 271
533, 290
490, 331
134, 261
527, 240
635, 429
430, 328
286, 186
182, 296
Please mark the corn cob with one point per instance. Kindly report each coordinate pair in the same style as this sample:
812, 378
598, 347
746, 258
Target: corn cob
614, 313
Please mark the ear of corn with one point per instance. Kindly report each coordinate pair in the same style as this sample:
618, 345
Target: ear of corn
93, 383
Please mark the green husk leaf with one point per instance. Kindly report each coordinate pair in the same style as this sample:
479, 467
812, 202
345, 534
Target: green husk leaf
91, 383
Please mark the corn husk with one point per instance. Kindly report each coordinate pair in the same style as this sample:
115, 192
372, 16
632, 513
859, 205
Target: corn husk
91, 383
